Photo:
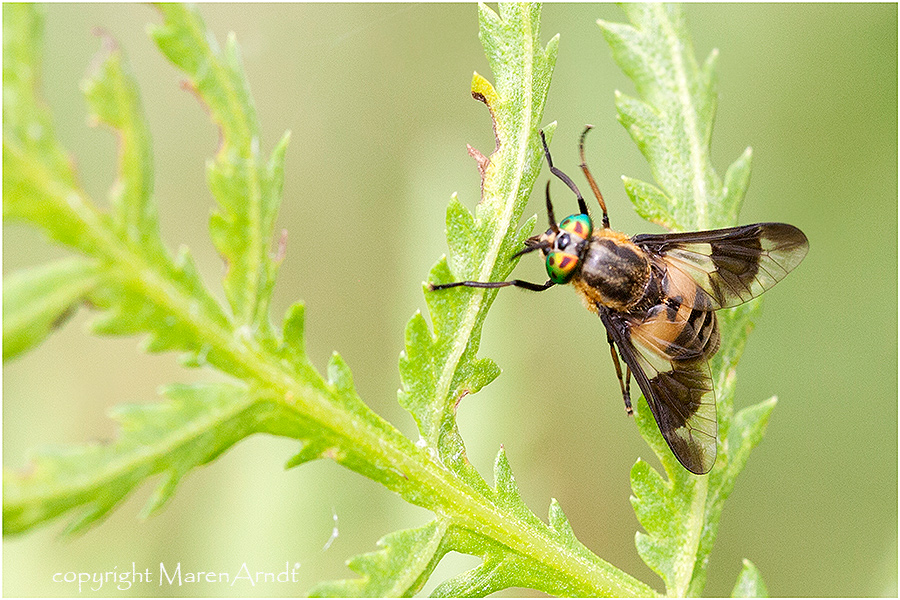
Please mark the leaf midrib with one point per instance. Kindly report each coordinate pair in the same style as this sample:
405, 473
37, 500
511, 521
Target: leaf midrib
683, 93
683, 565
135, 456
474, 308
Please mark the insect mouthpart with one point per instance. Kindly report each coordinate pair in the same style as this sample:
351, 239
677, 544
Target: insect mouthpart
532, 244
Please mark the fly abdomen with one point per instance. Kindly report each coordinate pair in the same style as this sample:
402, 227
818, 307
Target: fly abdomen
699, 336
677, 331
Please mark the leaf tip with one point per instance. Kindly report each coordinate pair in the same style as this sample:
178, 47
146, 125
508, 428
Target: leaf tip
283, 142
750, 583
483, 91
640, 468
549, 129
293, 329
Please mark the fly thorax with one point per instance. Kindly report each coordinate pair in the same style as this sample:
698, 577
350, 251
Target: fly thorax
614, 271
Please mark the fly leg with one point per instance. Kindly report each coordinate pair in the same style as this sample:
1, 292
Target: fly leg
624, 383
628, 409
527, 285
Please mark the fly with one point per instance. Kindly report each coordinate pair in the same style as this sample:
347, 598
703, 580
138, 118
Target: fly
656, 295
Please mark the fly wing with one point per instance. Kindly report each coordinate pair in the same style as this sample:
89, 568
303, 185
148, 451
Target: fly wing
674, 376
730, 266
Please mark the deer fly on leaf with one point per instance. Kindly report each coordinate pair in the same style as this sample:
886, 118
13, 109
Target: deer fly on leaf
657, 294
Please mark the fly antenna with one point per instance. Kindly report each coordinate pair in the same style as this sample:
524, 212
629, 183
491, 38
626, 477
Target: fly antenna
565, 178
553, 226
590, 177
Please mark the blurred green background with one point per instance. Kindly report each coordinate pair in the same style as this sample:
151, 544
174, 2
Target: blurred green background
377, 97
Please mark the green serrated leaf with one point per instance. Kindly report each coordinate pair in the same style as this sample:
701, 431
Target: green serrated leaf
454, 450
398, 569
747, 430
198, 423
738, 434
504, 567
417, 372
37, 300
508, 495
311, 449
32, 193
114, 100
672, 123
749, 583
672, 514
744, 433
39, 184
438, 371
340, 379
247, 188
494, 574
27, 125
484, 371
142, 289
735, 326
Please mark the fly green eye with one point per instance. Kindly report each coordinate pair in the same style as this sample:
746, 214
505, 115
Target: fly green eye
561, 266
579, 225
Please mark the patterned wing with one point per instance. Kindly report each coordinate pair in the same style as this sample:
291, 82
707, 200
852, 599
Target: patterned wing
667, 351
730, 266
